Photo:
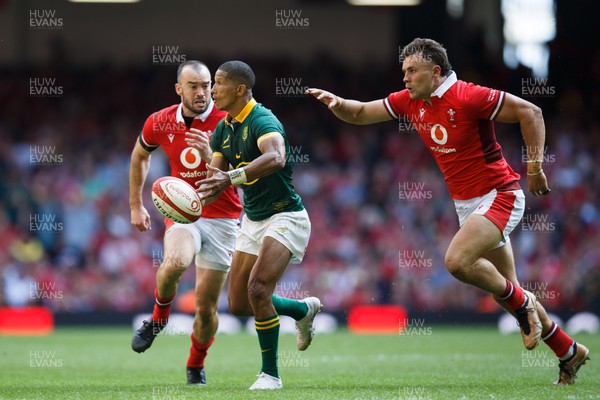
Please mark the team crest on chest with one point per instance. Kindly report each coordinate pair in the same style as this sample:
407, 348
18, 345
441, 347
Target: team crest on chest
451, 113
245, 134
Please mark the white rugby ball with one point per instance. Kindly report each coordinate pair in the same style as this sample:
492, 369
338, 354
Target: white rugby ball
176, 199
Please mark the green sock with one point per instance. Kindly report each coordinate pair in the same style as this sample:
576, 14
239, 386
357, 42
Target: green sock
268, 338
292, 308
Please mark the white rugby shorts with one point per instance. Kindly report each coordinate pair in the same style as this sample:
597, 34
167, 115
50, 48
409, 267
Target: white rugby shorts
292, 229
214, 241
504, 208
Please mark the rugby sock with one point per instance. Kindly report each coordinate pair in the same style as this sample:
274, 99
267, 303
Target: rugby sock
513, 296
198, 352
560, 343
162, 308
268, 338
292, 308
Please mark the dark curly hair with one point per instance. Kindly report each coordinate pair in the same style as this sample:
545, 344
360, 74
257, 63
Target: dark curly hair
430, 50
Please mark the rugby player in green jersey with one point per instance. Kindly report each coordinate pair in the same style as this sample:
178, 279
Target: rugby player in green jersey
275, 228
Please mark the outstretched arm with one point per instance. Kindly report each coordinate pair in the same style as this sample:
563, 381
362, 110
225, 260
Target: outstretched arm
352, 111
529, 116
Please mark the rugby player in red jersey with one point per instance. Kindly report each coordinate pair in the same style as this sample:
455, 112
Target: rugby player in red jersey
211, 239
455, 120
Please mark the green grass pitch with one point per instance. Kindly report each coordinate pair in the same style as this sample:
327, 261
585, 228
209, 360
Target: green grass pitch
438, 363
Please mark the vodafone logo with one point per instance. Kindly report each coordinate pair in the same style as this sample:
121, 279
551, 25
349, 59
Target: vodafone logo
439, 134
175, 191
190, 158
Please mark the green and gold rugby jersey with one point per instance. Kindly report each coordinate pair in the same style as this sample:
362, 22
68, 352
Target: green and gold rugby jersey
237, 140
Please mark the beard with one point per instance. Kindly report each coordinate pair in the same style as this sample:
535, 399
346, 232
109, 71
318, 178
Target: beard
196, 106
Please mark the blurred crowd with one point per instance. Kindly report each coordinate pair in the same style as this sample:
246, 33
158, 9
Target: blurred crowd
381, 215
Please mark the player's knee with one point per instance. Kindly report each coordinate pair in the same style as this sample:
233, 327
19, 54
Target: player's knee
205, 312
455, 265
257, 291
174, 266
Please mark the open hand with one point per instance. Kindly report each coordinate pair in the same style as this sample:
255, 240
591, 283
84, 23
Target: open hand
325, 97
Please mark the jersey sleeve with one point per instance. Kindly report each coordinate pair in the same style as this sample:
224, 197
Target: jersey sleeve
396, 103
148, 135
483, 103
265, 126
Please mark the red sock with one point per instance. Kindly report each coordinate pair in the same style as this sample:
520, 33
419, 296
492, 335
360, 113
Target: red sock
513, 296
558, 340
198, 352
162, 308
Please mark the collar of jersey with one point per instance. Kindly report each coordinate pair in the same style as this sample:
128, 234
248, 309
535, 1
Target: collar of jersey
202, 116
451, 79
243, 114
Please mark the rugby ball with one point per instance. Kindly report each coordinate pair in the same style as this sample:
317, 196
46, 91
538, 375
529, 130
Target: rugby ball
176, 199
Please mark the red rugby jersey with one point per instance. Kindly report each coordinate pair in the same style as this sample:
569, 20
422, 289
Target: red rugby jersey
458, 130
166, 128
